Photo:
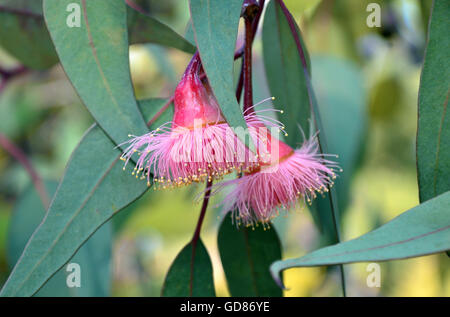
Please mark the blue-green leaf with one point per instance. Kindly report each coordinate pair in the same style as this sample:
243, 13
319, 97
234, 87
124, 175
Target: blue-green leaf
328, 214
341, 95
24, 35
95, 58
215, 24
433, 134
285, 77
94, 187
422, 230
191, 274
94, 257
246, 255
144, 28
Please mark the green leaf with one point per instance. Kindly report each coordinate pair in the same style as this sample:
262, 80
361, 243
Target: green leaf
144, 28
190, 274
422, 230
433, 134
94, 187
283, 65
215, 24
246, 256
329, 213
24, 35
94, 257
341, 95
326, 208
189, 32
284, 71
95, 58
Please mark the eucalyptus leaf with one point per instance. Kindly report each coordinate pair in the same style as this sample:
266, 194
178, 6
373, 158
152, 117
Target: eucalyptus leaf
246, 255
289, 81
96, 60
433, 134
191, 274
189, 32
285, 77
329, 213
24, 35
94, 257
422, 230
215, 24
94, 188
342, 103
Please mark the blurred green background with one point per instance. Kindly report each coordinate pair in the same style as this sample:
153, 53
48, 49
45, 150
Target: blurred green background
377, 70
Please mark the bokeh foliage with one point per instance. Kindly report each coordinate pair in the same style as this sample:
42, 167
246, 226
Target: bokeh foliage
366, 82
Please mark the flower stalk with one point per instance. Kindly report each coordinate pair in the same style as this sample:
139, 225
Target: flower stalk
251, 13
198, 228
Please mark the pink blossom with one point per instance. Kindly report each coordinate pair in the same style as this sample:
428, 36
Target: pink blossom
287, 177
197, 145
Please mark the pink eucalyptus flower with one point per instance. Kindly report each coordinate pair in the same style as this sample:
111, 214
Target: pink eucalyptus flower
197, 145
285, 177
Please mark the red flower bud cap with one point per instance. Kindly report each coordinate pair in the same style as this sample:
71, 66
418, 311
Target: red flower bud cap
194, 103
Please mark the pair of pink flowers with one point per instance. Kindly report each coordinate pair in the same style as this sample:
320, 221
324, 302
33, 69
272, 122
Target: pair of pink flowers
198, 145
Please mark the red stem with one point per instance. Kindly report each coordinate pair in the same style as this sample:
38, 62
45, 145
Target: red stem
248, 89
196, 235
245, 77
197, 231
240, 84
255, 24
17, 153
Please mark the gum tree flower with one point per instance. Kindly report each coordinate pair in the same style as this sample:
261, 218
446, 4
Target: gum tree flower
197, 145
283, 178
